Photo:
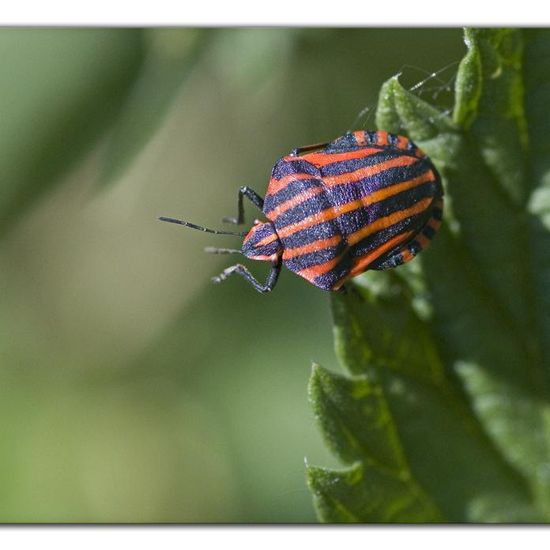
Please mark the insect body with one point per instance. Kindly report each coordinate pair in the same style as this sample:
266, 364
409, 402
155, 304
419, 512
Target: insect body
367, 200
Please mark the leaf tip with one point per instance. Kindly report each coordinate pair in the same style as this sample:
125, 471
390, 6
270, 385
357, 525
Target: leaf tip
315, 384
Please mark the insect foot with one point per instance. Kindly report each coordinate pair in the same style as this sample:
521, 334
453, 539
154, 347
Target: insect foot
224, 274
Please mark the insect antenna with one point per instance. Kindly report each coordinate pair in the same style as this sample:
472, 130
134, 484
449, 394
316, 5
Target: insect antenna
199, 227
214, 250
362, 118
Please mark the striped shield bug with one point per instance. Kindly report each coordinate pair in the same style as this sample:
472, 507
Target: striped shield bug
367, 200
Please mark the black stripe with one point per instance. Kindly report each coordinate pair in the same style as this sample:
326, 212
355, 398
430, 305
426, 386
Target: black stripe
428, 232
414, 247
361, 216
320, 231
371, 137
295, 187
285, 168
259, 233
345, 143
413, 149
400, 201
393, 140
341, 167
372, 242
329, 280
388, 261
355, 252
320, 256
392, 258
341, 194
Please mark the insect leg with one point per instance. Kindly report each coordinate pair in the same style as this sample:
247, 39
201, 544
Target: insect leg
215, 250
252, 196
243, 272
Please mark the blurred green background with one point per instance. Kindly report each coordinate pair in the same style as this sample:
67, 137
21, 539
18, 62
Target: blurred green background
131, 388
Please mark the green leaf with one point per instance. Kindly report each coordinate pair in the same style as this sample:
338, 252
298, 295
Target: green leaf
398, 108
356, 421
468, 89
452, 358
237, 56
171, 56
363, 494
357, 424
490, 89
402, 416
61, 89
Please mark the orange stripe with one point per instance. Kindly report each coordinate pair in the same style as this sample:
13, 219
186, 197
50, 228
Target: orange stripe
314, 219
354, 238
369, 258
272, 237
397, 188
382, 137
312, 272
251, 233
359, 137
356, 175
434, 224
294, 201
422, 240
276, 185
407, 255
311, 247
264, 258
439, 203
322, 159
387, 221
402, 143
364, 261
334, 212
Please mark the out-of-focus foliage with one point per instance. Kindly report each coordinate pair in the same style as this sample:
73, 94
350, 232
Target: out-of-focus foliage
131, 389
448, 407
60, 91
171, 55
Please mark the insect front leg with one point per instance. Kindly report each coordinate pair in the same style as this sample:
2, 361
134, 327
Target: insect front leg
251, 195
243, 272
